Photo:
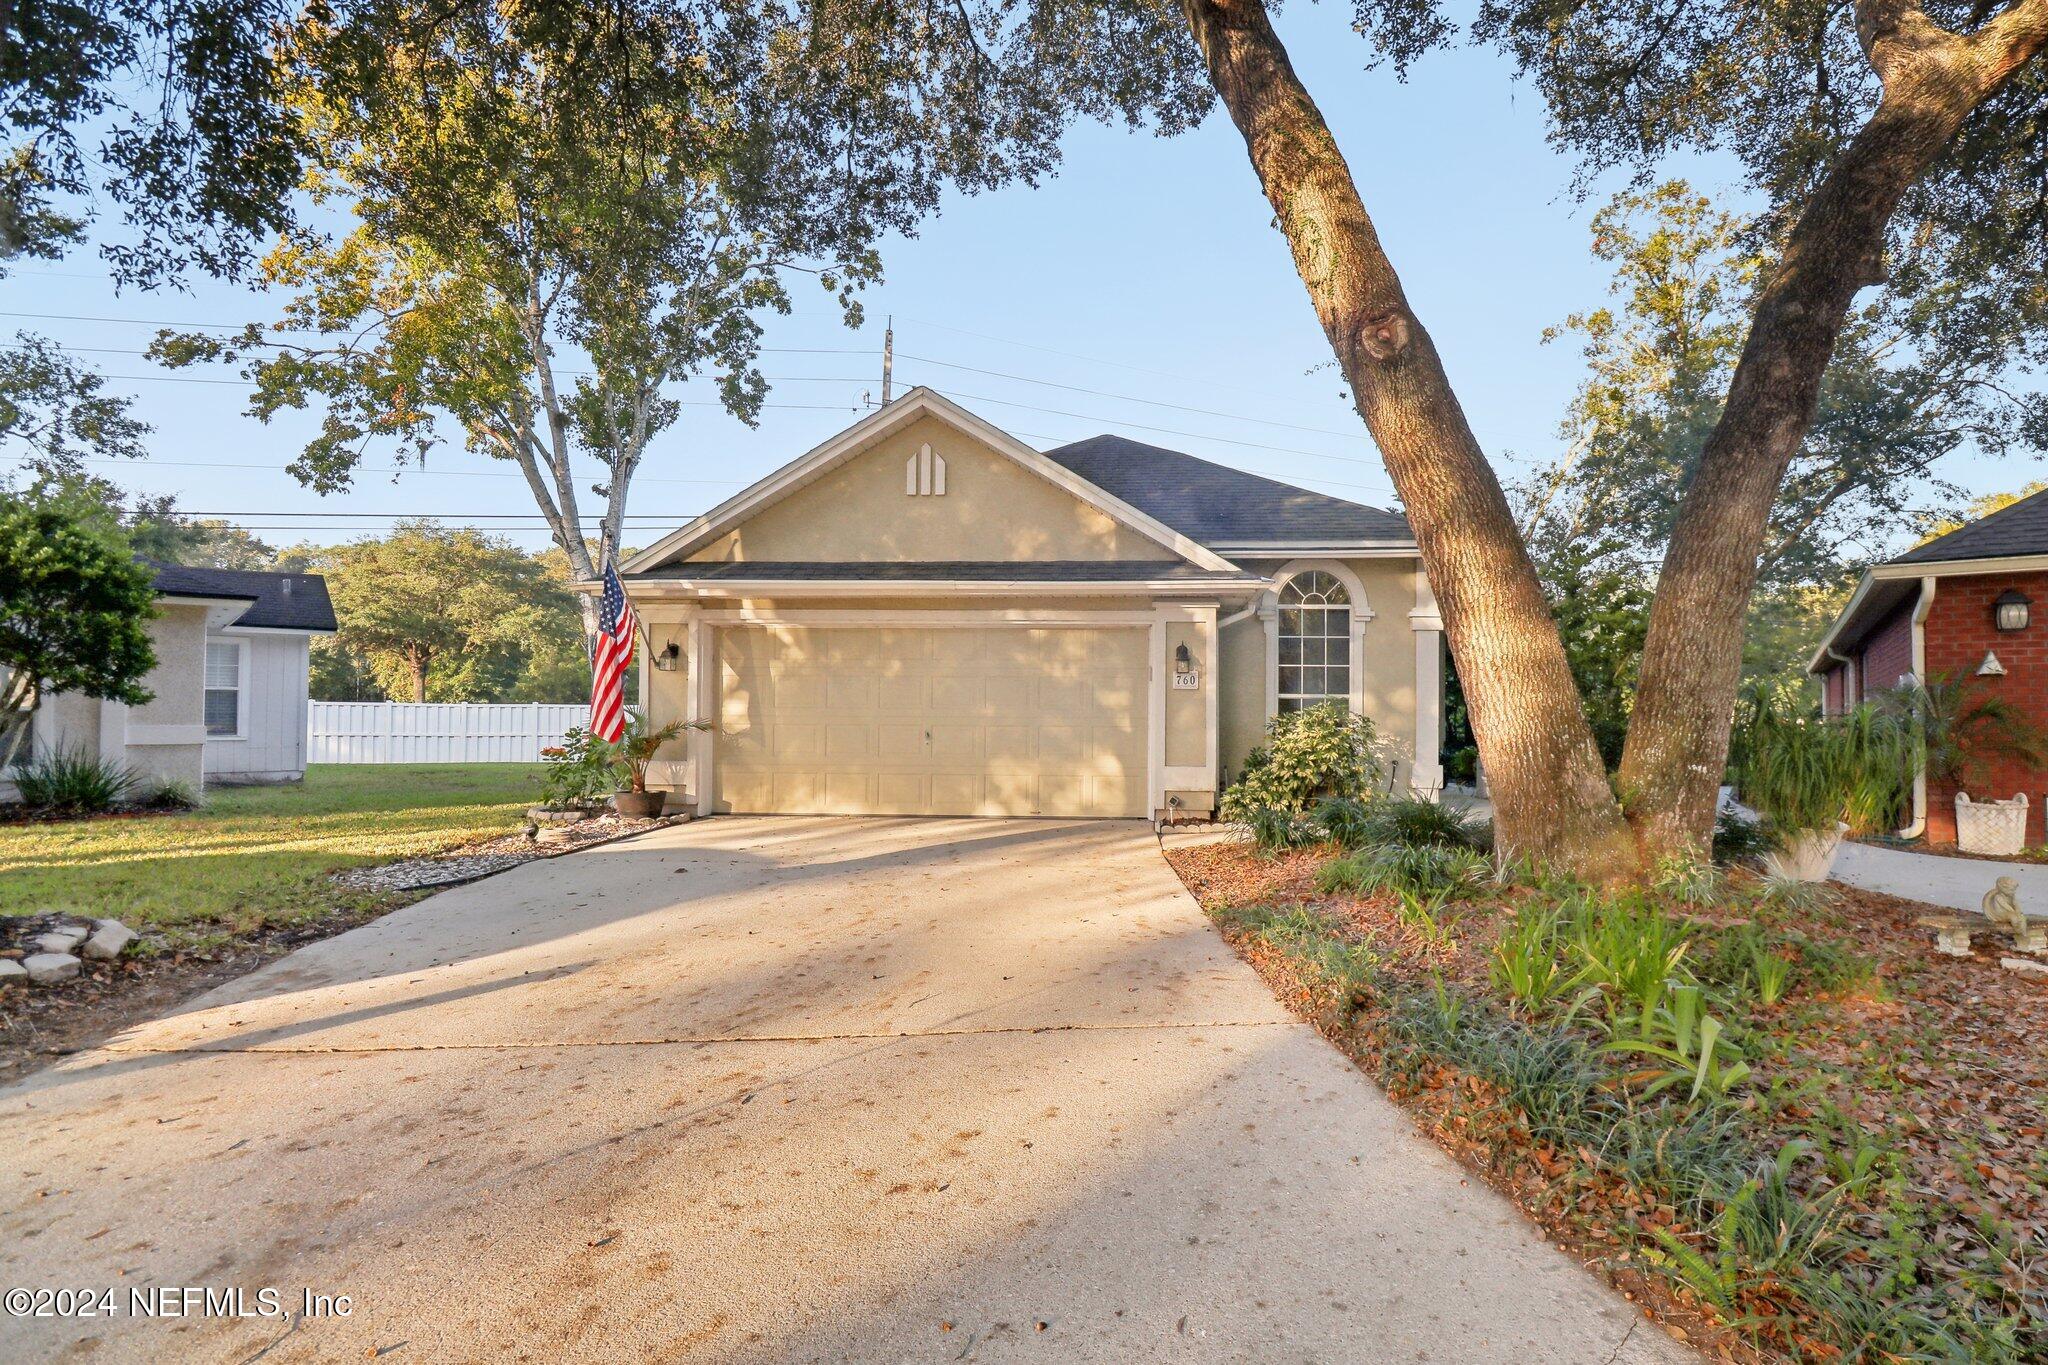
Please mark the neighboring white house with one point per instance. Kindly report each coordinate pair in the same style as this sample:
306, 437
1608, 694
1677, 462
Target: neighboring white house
229, 683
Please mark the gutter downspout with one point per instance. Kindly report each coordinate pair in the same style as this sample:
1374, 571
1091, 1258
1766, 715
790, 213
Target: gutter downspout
1920, 611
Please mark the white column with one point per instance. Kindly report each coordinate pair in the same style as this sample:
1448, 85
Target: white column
1212, 684
1427, 776
1269, 623
701, 704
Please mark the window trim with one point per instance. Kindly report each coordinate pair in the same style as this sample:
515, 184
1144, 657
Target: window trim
1303, 700
241, 687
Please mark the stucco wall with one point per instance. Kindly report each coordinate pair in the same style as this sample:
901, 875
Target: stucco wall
166, 736
993, 509
1187, 713
1386, 662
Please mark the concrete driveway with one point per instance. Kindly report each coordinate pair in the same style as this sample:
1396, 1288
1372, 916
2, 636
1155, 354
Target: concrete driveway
774, 1089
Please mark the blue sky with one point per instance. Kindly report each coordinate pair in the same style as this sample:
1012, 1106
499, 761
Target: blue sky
1148, 269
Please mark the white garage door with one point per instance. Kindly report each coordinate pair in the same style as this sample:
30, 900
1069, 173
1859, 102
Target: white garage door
869, 720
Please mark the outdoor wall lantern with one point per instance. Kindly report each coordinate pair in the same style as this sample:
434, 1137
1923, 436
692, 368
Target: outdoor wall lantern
2011, 610
1183, 662
666, 660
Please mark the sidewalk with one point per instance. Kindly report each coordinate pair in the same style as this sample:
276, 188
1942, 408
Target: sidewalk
1959, 883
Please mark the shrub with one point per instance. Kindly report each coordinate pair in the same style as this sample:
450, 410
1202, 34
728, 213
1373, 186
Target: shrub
1630, 951
1738, 839
1344, 820
581, 771
1428, 872
1273, 829
1809, 773
1414, 822
1308, 755
170, 795
74, 779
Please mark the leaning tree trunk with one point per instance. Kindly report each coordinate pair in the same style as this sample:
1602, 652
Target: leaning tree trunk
1692, 657
1550, 792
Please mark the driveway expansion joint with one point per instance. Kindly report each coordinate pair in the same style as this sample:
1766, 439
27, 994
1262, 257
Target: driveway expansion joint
681, 1040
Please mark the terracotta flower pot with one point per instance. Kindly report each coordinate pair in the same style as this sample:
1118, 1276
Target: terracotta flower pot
639, 805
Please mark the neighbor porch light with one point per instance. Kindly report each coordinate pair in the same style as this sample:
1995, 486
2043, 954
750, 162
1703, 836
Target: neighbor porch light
2011, 610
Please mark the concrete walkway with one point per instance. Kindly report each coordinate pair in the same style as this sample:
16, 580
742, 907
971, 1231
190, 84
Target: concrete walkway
798, 1089
1959, 883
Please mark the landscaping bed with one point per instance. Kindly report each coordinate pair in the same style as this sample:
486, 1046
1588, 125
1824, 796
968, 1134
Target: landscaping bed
1852, 1166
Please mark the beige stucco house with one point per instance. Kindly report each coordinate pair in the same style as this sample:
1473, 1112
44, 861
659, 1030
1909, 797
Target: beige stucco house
924, 616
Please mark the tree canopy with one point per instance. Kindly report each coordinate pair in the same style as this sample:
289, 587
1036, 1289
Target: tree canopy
74, 608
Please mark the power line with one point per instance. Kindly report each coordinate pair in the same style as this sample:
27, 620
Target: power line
151, 461
237, 326
1165, 431
1132, 398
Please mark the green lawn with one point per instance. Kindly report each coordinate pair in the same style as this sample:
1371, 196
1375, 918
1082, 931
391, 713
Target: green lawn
258, 855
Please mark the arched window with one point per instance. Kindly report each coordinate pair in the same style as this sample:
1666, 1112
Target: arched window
1315, 641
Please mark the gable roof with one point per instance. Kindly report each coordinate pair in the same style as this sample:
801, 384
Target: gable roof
2021, 529
1224, 507
919, 402
278, 601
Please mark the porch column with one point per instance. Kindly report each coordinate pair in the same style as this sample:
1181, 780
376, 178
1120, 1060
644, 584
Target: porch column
700, 703
1427, 776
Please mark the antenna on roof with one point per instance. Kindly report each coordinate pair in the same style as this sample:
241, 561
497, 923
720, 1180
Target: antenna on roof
888, 358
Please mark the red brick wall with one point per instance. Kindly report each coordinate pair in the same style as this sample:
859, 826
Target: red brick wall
1831, 703
1888, 652
1959, 635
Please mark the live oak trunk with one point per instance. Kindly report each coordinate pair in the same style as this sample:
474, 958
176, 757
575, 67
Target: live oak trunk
1692, 658
1550, 792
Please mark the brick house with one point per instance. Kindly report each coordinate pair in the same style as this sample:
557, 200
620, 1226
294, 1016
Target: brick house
1970, 606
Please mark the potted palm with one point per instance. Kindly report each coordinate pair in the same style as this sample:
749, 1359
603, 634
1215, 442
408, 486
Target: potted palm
1814, 779
1960, 730
633, 754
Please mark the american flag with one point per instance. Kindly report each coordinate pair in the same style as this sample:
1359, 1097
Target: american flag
616, 627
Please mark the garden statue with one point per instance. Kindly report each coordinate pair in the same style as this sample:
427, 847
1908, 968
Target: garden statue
2002, 907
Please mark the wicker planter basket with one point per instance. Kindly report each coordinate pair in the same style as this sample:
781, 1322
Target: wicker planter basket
1996, 827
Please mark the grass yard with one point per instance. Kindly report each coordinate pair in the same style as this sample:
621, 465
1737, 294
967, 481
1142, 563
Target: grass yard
1770, 1114
255, 857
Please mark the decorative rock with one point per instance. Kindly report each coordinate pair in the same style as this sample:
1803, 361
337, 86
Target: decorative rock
11, 971
108, 940
60, 940
2024, 964
47, 968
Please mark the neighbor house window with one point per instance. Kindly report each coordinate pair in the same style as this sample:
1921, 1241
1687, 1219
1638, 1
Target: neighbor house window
1315, 641
223, 687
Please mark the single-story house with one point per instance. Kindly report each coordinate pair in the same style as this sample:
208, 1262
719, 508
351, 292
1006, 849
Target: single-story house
229, 683
925, 616
1960, 607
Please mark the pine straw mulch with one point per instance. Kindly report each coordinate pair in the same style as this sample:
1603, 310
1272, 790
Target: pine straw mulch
1942, 1060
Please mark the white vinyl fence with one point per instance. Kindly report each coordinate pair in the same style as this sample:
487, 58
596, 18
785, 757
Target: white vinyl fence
435, 732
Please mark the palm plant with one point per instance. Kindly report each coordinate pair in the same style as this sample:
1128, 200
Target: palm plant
1811, 773
1959, 728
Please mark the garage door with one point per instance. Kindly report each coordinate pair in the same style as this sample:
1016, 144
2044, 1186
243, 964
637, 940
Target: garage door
933, 722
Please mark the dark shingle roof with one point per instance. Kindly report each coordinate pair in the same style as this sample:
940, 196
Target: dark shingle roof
933, 570
1217, 505
279, 601
2021, 529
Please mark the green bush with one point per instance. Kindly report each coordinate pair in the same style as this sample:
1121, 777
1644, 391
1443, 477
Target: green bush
1428, 872
1738, 839
1808, 773
1273, 829
582, 771
1323, 751
1344, 820
74, 780
1416, 822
